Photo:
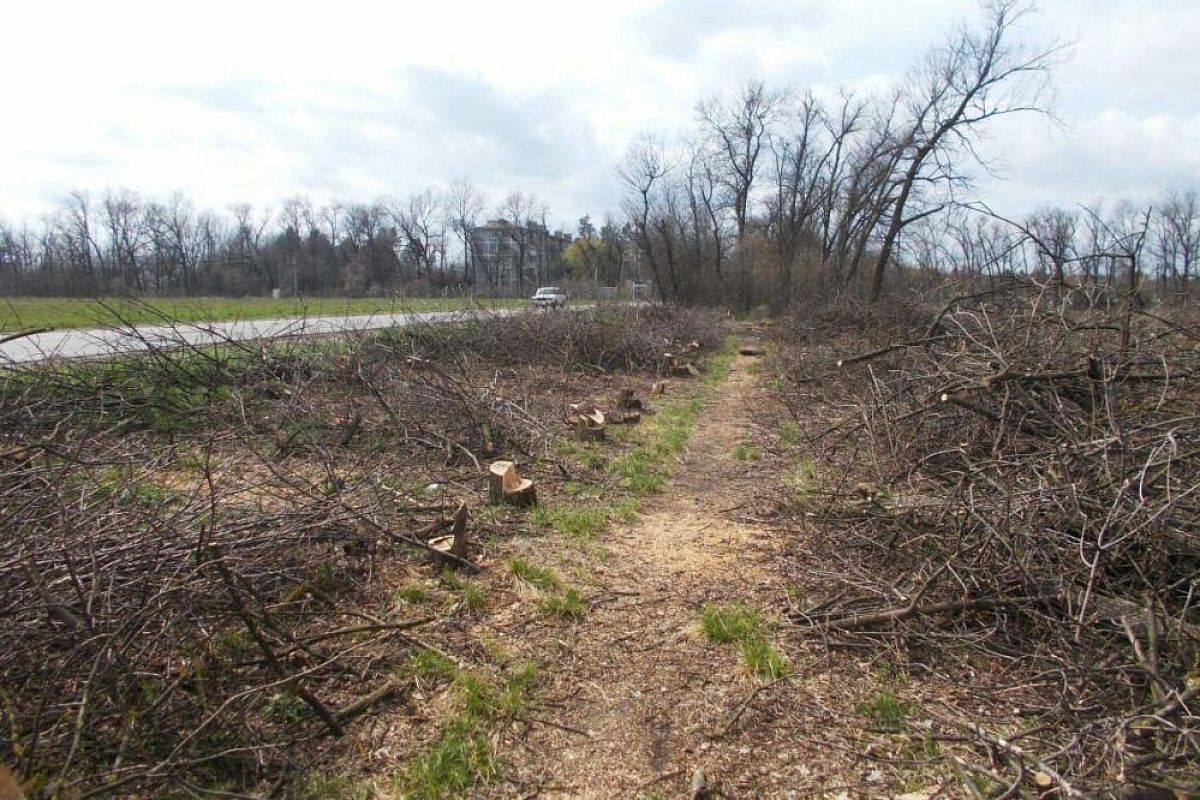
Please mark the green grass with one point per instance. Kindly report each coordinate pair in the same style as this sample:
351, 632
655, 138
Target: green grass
285, 707
746, 452
318, 786
21, 313
886, 709
576, 522
430, 666
540, 577
803, 481
462, 757
412, 593
729, 624
645, 468
567, 606
475, 597
741, 625
763, 660
789, 433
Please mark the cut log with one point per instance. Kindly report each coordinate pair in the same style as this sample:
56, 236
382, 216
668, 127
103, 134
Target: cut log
750, 350
628, 418
691, 370
658, 387
505, 486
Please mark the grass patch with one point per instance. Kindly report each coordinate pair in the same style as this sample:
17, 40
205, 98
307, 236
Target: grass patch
582, 521
730, 624
763, 660
741, 625
317, 786
460, 759
19, 313
886, 709
475, 597
644, 469
746, 452
540, 577
789, 433
568, 606
578, 522
412, 593
462, 756
803, 481
428, 665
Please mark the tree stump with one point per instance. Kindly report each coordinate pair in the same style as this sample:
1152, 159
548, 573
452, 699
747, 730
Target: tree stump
628, 401
458, 543
673, 366
587, 423
590, 434
506, 487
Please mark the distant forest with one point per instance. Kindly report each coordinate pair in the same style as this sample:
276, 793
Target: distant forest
774, 195
428, 243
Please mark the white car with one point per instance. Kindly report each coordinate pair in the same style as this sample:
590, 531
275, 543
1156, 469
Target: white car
549, 297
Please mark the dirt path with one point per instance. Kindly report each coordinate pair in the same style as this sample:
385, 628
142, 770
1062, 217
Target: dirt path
643, 689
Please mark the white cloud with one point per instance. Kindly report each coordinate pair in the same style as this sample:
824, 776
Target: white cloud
234, 101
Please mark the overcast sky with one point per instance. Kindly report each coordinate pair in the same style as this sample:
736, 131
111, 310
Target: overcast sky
254, 101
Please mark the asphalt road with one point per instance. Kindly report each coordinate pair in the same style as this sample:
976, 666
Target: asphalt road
97, 342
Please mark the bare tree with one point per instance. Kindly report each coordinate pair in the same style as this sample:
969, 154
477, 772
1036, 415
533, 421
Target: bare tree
643, 173
418, 223
76, 227
1178, 232
520, 211
463, 206
975, 77
737, 129
125, 225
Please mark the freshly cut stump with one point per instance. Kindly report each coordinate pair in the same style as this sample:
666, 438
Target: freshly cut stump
506, 487
587, 423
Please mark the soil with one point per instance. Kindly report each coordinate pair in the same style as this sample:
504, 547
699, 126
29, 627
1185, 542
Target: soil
635, 700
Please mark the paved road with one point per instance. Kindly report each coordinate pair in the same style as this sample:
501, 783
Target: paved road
93, 342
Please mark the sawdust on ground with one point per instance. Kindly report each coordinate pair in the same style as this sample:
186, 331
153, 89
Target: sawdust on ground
645, 694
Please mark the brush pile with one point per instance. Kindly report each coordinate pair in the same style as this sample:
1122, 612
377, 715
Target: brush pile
199, 546
1031, 487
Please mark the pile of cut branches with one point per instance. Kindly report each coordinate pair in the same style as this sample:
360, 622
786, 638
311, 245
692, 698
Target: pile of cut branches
610, 338
199, 544
1031, 487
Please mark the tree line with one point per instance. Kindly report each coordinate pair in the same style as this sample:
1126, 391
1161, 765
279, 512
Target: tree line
776, 194
773, 195
428, 242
